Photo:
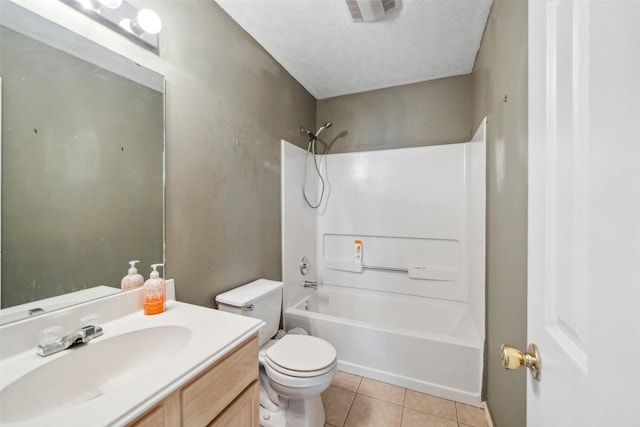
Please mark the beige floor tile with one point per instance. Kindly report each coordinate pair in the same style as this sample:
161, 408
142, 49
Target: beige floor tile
379, 390
413, 418
471, 415
347, 381
369, 412
337, 402
430, 404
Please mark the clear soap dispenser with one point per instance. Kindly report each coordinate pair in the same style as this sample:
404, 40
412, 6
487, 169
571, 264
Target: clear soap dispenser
133, 279
154, 292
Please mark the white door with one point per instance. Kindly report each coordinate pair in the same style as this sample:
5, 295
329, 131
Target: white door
584, 212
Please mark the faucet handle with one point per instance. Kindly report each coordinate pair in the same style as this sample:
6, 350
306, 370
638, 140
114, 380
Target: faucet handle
50, 335
311, 284
90, 332
90, 320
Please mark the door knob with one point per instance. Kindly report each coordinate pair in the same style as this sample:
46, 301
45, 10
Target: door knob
512, 358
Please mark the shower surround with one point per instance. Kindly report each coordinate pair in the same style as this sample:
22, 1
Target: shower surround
411, 311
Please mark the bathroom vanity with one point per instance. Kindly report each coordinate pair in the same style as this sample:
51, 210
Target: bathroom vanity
188, 366
225, 394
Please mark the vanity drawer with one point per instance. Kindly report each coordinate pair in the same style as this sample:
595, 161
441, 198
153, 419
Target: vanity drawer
209, 394
244, 411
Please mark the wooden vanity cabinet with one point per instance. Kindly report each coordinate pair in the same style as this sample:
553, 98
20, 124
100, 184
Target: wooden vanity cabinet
244, 411
225, 394
164, 414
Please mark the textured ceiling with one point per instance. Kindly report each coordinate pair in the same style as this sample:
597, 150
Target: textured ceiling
330, 55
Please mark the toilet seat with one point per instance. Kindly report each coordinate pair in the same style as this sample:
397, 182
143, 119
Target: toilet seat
301, 356
299, 374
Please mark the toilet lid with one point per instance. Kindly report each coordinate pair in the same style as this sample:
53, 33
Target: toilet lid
301, 353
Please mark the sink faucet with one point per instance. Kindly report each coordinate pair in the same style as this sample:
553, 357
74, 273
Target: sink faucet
79, 336
311, 284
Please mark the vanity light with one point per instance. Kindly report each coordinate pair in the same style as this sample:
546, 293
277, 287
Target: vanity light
141, 26
97, 5
147, 21
111, 4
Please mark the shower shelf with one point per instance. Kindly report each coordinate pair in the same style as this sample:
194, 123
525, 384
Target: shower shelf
344, 265
422, 272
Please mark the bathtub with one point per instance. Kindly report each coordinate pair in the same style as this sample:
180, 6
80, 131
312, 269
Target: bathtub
423, 344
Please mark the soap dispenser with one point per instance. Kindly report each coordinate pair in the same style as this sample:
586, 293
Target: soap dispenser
154, 292
133, 279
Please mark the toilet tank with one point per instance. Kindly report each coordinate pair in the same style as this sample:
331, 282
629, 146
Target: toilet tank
261, 299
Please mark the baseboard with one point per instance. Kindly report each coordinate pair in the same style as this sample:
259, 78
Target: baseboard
487, 415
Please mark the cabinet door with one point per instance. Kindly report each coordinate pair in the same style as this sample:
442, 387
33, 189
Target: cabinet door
164, 414
243, 412
209, 394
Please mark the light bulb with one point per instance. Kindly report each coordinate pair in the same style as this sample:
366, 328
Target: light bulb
111, 4
149, 21
86, 4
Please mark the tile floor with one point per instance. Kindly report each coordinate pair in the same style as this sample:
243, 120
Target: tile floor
353, 401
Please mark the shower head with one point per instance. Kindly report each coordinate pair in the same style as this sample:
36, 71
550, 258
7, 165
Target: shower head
323, 127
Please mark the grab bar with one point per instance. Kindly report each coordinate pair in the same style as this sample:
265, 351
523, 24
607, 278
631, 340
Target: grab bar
395, 269
422, 272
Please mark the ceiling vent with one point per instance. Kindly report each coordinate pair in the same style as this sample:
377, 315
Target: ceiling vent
369, 10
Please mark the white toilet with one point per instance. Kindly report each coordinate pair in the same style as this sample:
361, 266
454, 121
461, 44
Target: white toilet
294, 370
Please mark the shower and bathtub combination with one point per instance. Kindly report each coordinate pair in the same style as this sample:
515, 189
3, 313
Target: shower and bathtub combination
408, 308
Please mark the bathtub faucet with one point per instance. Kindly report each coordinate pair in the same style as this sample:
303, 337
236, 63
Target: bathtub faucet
311, 284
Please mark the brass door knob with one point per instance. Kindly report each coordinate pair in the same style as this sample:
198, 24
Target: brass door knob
512, 358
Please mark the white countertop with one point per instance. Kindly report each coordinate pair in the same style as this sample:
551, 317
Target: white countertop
214, 334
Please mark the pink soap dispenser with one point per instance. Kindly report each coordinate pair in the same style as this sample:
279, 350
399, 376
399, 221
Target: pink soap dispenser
133, 279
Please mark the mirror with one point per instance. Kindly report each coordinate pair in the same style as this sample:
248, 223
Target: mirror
82, 166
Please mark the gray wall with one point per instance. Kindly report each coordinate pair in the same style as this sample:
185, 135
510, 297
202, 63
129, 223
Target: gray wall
428, 113
228, 105
501, 69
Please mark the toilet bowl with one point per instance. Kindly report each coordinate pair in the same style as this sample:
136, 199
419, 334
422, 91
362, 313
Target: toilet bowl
298, 369
294, 370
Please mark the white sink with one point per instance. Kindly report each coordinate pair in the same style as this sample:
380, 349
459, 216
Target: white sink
91, 370
113, 379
